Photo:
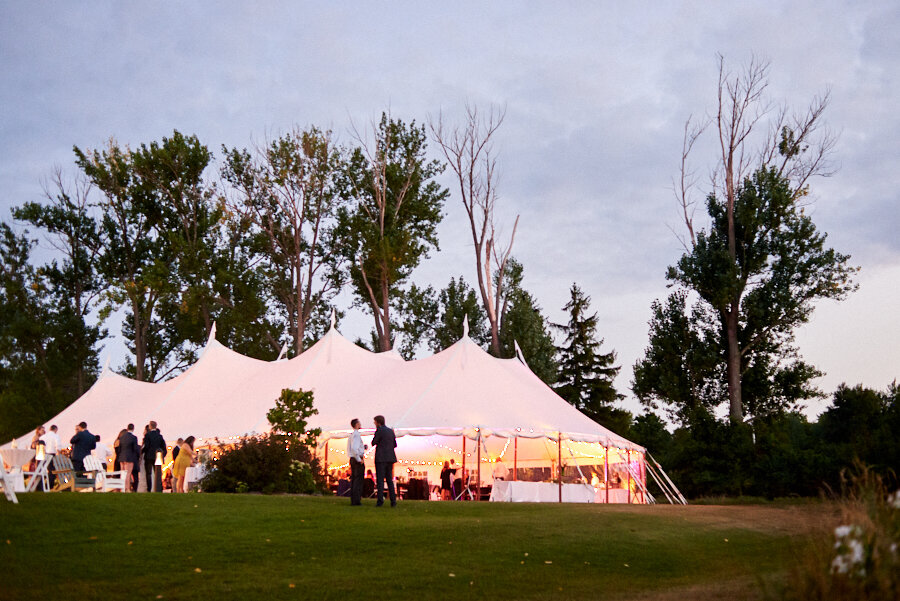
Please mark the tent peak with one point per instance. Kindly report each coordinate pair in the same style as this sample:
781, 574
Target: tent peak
212, 333
519, 354
106, 369
333, 319
466, 326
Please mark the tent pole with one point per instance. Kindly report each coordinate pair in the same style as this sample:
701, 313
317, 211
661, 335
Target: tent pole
478, 470
515, 458
326, 461
628, 459
463, 479
559, 467
643, 476
606, 471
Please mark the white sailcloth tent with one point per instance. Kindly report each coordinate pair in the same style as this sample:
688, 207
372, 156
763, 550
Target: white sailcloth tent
460, 403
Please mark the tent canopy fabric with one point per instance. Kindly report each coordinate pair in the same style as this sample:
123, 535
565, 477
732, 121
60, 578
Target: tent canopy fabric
460, 391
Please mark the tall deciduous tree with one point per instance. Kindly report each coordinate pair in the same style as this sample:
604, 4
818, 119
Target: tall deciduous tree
135, 260
170, 174
290, 193
761, 264
682, 371
40, 361
469, 152
73, 280
393, 224
586, 375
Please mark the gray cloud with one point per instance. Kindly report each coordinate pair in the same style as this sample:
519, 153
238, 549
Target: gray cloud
596, 100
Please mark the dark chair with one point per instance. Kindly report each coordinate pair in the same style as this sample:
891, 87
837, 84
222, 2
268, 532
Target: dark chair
343, 488
368, 488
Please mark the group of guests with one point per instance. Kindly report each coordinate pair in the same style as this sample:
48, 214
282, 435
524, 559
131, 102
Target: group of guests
384, 442
130, 456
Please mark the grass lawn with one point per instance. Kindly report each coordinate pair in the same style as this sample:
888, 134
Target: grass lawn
209, 546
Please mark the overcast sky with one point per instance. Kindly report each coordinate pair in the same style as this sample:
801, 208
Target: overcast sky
596, 99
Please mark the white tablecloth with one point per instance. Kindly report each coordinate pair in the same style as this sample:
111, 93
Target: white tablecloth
16, 458
540, 492
194, 473
616, 495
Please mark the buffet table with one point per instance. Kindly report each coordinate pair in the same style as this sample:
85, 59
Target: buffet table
541, 492
616, 495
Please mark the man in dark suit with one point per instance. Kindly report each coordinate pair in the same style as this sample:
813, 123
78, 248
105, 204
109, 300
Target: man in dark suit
384, 442
82, 444
129, 454
152, 444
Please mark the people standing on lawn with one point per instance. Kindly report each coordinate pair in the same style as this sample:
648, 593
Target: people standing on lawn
177, 448
356, 452
36, 441
129, 454
117, 451
51, 448
184, 460
384, 442
51, 441
152, 444
82, 444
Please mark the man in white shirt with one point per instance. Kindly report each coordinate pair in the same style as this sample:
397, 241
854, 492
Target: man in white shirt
101, 451
51, 441
501, 472
356, 452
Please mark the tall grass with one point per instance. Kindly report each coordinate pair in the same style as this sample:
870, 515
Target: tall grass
858, 558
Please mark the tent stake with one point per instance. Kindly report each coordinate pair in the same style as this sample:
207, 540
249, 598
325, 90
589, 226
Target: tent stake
559, 467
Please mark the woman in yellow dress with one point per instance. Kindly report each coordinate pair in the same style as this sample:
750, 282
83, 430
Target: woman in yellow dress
184, 460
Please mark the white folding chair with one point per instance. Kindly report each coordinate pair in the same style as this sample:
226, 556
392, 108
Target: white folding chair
41, 473
7, 485
106, 481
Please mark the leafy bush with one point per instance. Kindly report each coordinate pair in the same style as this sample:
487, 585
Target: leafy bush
272, 463
267, 464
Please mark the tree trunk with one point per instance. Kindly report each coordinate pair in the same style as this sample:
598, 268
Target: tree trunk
736, 409
140, 350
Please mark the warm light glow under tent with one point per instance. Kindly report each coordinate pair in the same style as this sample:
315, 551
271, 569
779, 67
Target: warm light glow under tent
459, 397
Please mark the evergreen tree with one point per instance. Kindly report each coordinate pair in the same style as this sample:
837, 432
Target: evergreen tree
586, 374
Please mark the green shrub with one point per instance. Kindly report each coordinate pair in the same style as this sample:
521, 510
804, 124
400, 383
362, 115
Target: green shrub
266, 464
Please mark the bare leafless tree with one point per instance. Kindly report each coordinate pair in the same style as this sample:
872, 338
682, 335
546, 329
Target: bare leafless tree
469, 151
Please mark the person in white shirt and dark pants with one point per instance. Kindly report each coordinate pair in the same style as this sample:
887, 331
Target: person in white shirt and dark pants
356, 451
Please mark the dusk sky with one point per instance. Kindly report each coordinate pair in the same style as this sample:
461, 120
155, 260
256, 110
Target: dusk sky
596, 97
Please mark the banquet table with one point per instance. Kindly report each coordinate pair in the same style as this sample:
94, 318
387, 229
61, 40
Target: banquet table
17, 459
194, 474
540, 492
616, 495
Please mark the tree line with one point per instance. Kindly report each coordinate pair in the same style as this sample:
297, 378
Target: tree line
262, 241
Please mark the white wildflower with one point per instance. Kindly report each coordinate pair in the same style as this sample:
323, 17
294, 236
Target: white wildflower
894, 500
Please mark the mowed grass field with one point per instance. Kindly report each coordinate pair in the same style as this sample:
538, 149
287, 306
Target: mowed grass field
210, 546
